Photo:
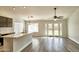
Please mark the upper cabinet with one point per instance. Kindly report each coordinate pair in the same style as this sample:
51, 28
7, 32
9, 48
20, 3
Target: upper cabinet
5, 22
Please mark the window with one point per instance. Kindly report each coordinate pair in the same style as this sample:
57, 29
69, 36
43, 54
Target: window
49, 29
18, 27
46, 29
49, 26
32, 27
60, 29
50, 32
56, 29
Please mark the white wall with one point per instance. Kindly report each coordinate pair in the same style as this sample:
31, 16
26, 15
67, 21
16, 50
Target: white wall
65, 28
73, 26
6, 13
4, 30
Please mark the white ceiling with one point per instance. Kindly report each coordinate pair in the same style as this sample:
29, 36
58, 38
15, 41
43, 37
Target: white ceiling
40, 12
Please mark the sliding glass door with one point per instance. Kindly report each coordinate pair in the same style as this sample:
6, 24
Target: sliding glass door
53, 29
49, 29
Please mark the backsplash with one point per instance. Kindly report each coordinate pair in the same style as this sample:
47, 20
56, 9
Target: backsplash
6, 30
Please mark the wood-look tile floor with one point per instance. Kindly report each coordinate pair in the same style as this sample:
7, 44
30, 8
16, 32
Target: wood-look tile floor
46, 44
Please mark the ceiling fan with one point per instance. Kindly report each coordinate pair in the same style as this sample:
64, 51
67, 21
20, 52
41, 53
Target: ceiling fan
55, 16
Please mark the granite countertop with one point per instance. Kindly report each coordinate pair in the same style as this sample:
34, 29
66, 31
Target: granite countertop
15, 35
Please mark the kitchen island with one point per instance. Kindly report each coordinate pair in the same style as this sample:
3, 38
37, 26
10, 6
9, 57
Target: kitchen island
16, 42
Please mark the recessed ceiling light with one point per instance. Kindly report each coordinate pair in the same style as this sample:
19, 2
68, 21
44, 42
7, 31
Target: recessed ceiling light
24, 7
14, 8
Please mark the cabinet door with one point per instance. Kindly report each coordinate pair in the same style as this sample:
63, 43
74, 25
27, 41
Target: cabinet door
9, 22
5, 22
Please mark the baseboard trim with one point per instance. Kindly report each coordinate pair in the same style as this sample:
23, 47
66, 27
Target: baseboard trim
73, 40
